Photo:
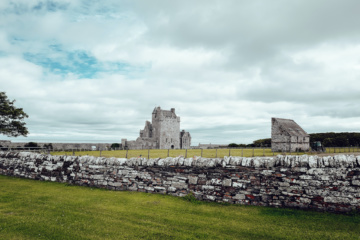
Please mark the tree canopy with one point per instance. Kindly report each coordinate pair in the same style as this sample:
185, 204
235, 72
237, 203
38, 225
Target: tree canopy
330, 139
11, 118
115, 146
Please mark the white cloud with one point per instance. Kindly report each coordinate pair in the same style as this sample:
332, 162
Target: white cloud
95, 70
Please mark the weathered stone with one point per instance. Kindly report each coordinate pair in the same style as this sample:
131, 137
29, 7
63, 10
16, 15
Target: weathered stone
239, 196
355, 182
193, 180
326, 183
227, 182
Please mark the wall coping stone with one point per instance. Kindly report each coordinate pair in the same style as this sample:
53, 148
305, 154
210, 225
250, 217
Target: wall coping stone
290, 161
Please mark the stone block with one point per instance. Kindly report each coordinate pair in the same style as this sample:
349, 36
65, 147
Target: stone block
239, 196
207, 187
193, 180
237, 185
227, 182
355, 182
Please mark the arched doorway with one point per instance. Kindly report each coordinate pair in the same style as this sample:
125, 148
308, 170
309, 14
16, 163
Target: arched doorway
172, 146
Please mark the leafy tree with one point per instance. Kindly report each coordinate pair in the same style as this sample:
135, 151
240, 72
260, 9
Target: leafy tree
341, 141
331, 139
262, 142
11, 118
48, 146
31, 145
115, 146
232, 145
328, 142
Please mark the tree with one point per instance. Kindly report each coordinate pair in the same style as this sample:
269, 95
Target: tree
328, 142
115, 146
31, 145
11, 118
48, 146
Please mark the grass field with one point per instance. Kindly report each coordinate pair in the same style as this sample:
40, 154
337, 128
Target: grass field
45, 210
208, 153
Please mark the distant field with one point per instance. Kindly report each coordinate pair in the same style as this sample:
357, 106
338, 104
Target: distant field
46, 210
207, 153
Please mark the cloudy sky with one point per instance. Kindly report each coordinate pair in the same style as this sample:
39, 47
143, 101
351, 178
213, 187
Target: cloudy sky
92, 71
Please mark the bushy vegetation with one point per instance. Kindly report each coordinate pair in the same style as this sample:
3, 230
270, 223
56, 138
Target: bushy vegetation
330, 139
115, 146
31, 145
45, 210
207, 153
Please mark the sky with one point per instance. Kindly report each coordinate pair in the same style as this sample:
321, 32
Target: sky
93, 71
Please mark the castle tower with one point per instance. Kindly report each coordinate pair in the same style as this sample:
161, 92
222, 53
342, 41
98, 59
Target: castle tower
166, 128
162, 133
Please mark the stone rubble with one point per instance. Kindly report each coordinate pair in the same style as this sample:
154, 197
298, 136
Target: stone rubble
329, 183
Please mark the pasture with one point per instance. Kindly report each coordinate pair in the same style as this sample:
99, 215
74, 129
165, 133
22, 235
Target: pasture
207, 153
47, 210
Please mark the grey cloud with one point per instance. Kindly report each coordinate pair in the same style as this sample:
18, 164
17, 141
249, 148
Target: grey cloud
255, 31
226, 66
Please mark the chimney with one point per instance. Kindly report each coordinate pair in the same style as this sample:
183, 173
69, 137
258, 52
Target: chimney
173, 110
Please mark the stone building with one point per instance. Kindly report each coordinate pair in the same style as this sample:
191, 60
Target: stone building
288, 136
162, 133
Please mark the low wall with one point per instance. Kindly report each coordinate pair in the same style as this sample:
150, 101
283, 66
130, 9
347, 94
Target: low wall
330, 183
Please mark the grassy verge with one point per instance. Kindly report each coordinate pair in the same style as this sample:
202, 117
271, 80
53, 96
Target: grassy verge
44, 210
207, 153
163, 153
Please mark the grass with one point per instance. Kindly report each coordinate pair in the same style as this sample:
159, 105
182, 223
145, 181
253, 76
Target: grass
208, 153
45, 210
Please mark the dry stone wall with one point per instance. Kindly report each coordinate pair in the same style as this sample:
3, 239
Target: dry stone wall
330, 183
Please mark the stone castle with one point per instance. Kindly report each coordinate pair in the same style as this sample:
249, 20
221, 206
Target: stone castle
162, 133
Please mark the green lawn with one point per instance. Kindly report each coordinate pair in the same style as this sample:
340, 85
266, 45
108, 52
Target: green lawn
44, 210
163, 153
207, 153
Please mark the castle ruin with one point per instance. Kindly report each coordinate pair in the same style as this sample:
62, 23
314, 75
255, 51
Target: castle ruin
162, 133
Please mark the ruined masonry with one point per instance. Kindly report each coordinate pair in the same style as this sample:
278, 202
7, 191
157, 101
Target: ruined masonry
330, 183
162, 133
288, 136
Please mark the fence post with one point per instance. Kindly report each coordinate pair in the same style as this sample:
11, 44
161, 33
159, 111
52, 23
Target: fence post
149, 153
201, 152
216, 154
168, 151
263, 152
242, 152
73, 152
229, 152
253, 152
100, 153
126, 153
186, 153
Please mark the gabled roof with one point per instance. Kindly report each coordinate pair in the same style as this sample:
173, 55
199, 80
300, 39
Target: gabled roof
291, 127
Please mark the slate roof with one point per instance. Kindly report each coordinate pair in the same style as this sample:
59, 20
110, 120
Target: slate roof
291, 127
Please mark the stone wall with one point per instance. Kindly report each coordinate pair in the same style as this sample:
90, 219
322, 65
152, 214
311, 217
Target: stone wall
330, 183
